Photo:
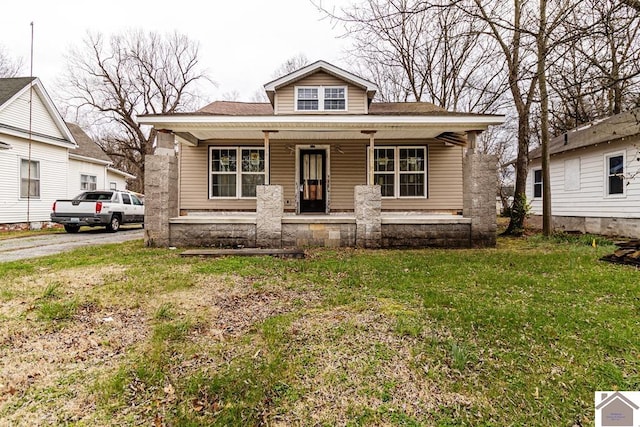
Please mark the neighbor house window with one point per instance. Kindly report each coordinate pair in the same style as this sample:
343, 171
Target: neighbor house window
235, 172
401, 171
615, 174
321, 98
113, 185
29, 179
537, 183
88, 182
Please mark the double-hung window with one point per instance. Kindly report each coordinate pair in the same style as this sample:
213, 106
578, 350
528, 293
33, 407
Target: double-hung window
615, 174
321, 98
88, 182
235, 172
29, 179
401, 171
537, 183
307, 99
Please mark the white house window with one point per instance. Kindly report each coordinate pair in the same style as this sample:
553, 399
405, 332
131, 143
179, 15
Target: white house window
88, 182
615, 174
321, 98
537, 183
235, 172
29, 179
401, 171
113, 185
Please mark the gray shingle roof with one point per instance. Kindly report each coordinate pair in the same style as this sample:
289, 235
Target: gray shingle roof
610, 129
9, 86
86, 146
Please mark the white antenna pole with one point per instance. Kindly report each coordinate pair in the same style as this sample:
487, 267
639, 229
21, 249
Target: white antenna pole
30, 132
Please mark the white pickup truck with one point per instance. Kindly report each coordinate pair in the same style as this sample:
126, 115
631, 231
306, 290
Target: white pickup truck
107, 208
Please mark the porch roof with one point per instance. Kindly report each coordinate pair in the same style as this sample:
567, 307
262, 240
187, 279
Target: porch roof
193, 128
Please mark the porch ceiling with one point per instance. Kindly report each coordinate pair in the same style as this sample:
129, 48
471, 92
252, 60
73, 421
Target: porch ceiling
192, 129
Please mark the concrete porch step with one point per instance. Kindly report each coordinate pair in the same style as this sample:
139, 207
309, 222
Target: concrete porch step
277, 253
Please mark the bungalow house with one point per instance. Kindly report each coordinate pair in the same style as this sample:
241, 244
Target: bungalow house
320, 164
42, 158
594, 177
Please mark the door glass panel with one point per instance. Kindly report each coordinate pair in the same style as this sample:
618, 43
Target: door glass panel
312, 174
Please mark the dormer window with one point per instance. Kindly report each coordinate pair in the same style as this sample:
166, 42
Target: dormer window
321, 98
307, 99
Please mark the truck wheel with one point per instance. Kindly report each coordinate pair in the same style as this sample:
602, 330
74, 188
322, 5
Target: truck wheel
71, 228
114, 224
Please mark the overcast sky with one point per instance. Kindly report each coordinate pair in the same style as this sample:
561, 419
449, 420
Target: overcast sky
242, 42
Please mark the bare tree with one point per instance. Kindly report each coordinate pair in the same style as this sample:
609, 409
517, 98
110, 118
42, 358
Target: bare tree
596, 75
424, 51
290, 65
9, 67
111, 81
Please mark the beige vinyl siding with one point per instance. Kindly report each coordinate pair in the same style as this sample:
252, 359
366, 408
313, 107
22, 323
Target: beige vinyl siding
53, 175
16, 114
194, 178
285, 96
347, 169
444, 181
590, 200
283, 171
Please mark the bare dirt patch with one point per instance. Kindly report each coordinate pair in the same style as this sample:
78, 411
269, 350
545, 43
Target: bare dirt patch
360, 365
42, 362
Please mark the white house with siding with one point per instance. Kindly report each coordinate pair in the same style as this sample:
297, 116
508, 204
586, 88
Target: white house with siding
34, 158
41, 159
90, 168
595, 177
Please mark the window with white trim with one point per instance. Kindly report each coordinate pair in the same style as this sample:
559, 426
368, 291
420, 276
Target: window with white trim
321, 98
113, 185
615, 174
29, 179
235, 172
88, 182
401, 171
537, 183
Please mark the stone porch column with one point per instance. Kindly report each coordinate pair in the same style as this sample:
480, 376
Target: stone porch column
269, 211
480, 186
160, 191
368, 208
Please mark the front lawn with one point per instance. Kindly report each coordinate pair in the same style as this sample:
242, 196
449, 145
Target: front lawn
123, 335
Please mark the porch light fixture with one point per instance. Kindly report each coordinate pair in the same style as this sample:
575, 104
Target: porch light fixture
339, 149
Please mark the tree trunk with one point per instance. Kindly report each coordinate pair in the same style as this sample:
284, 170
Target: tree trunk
541, 42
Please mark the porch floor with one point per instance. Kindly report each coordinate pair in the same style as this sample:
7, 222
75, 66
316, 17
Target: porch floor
334, 218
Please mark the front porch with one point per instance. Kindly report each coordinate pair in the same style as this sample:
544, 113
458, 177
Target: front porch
398, 229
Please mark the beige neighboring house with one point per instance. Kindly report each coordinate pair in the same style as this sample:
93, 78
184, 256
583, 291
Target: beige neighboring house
90, 168
320, 164
595, 178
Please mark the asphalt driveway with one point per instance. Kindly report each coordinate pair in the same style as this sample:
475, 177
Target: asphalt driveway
48, 244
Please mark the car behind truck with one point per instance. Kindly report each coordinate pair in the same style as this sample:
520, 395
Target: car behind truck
108, 208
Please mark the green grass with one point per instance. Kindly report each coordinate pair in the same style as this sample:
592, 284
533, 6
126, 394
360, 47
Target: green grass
518, 335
